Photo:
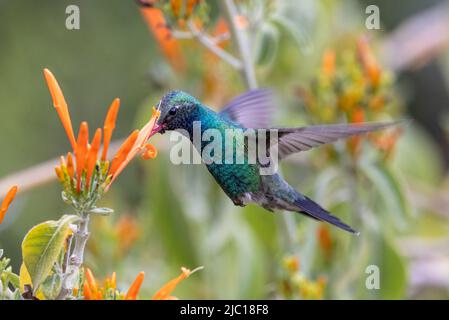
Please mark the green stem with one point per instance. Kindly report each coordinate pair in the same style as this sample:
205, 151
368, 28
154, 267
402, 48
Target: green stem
242, 44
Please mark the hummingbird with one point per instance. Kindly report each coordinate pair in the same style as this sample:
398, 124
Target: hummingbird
243, 183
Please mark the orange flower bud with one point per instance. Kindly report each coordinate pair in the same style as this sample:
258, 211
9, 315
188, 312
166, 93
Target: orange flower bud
7, 202
109, 126
328, 63
59, 174
165, 291
133, 290
90, 279
81, 152
324, 238
86, 292
372, 68
60, 105
154, 17
114, 280
70, 165
92, 156
123, 151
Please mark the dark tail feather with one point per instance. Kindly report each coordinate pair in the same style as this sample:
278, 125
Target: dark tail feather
314, 210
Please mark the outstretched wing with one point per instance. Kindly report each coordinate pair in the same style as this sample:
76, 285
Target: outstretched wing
252, 109
293, 140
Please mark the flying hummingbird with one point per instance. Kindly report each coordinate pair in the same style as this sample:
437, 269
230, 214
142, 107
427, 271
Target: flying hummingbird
243, 183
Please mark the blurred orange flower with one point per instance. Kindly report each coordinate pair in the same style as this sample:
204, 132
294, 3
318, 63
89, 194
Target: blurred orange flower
372, 68
127, 231
7, 202
155, 20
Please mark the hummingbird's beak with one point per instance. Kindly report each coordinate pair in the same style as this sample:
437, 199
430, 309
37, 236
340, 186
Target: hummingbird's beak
157, 128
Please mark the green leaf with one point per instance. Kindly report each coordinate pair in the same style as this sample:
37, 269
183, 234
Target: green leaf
390, 190
102, 211
393, 273
267, 44
42, 246
51, 286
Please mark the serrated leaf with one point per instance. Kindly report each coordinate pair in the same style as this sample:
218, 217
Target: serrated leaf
42, 246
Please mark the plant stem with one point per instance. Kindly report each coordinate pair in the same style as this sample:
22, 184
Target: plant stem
211, 45
242, 44
285, 221
76, 258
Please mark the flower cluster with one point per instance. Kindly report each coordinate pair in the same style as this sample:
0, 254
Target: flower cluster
86, 174
93, 290
297, 285
352, 85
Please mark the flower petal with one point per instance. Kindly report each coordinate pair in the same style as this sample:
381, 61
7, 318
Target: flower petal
154, 17
7, 202
150, 152
81, 152
60, 105
133, 290
109, 126
92, 156
165, 292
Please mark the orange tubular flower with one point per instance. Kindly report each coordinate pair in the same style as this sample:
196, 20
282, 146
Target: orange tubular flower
60, 105
86, 292
114, 280
109, 126
324, 239
135, 287
87, 156
328, 63
7, 202
123, 152
166, 290
59, 174
372, 69
92, 156
70, 166
169, 45
81, 152
124, 156
92, 283
150, 153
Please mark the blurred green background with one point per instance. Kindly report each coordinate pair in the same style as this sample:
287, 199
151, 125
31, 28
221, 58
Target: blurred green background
170, 216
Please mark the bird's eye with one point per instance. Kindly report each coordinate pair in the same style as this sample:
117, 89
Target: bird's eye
172, 111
